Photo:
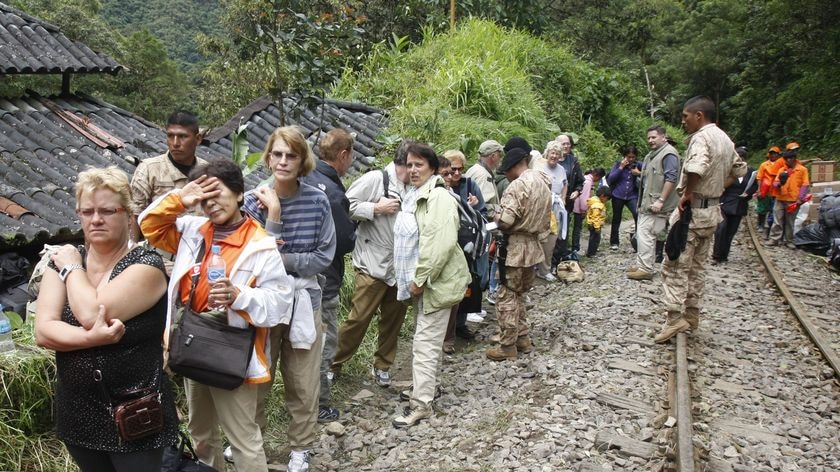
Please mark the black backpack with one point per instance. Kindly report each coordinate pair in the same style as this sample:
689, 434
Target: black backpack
473, 236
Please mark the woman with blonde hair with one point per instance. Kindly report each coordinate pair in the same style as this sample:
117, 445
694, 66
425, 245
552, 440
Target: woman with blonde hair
102, 308
298, 216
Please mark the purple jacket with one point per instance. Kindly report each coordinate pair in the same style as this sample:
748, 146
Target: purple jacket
622, 183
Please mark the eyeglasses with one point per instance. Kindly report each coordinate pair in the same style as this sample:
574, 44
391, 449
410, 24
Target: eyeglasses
457, 169
445, 174
103, 212
277, 156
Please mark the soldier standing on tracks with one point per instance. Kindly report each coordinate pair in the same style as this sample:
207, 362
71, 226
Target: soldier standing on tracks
711, 164
523, 219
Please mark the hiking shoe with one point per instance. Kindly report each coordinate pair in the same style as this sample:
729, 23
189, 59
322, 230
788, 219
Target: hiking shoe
464, 333
228, 455
405, 395
299, 461
502, 353
491, 298
327, 414
640, 274
614, 247
671, 329
448, 347
412, 416
381, 377
524, 345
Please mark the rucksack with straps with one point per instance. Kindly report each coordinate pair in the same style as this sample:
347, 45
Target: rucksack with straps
473, 236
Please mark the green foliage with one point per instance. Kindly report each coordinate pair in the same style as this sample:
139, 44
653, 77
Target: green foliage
27, 379
485, 81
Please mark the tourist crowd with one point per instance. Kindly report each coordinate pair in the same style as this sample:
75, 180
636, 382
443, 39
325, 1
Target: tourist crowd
426, 231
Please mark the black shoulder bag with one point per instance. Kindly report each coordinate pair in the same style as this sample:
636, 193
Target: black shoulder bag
208, 351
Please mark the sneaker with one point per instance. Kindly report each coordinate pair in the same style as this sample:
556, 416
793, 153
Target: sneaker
549, 277
405, 395
411, 416
327, 414
614, 247
491, 298
382, 377
476, 317
671, 330
640, 274
299, 461
228, 455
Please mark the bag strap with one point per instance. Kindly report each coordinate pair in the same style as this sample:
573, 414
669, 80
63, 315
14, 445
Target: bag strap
194, 279
385, 183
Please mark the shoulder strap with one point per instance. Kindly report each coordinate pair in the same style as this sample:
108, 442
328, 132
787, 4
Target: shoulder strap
385, 183
195, 275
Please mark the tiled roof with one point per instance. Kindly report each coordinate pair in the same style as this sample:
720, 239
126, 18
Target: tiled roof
262, 114
45, 143
32, 46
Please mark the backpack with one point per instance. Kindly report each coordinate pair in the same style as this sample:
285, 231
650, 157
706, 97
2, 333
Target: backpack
473, 236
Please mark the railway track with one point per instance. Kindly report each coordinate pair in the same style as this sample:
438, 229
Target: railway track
756, 389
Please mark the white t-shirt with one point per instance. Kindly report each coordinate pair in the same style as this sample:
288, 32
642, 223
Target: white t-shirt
558, 178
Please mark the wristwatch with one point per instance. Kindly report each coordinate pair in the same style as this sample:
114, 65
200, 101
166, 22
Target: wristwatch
65, 271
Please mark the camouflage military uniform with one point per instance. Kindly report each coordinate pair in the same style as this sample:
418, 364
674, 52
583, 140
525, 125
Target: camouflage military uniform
711, 155
524, 207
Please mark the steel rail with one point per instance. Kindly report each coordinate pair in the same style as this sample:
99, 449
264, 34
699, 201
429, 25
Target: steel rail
795, 305
685, 429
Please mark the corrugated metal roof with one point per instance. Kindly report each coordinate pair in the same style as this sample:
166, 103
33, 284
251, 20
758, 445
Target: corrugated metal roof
32, 46
45, 143
324, 115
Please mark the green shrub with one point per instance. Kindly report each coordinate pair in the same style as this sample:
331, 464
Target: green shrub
484, 81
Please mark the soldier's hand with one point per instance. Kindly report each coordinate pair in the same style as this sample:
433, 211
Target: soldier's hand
656, 206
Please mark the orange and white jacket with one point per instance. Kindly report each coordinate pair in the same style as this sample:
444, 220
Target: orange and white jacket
265, 289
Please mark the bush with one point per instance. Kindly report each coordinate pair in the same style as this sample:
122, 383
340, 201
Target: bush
483, 81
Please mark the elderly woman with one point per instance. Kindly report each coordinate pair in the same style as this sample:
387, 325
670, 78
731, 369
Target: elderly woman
559, 189
298, 216
255, 291
440, 278
102, 308
625, 193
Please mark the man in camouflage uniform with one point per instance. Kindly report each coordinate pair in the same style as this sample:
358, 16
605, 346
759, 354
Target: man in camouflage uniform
711, 164
522, 218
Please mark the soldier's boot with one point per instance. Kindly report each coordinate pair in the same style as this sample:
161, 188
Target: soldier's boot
502, 353
692, 317
660, 251
674, 324
524, 344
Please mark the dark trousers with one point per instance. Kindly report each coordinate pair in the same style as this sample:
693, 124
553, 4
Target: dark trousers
561, 246
471, 302
91, 460
594, 241
618, 205
724, 234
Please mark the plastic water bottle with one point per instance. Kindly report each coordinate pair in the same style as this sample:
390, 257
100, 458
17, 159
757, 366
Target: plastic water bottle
7, 346
216, 268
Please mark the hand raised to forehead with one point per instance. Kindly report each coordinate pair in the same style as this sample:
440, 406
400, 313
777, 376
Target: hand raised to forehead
199, 189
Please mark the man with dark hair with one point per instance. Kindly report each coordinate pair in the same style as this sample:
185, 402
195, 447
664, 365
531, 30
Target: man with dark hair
336, 149
657, 199
523, 218
157, 175
374, 202
711, 164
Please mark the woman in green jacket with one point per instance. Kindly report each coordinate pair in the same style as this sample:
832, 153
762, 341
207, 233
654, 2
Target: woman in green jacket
440, 279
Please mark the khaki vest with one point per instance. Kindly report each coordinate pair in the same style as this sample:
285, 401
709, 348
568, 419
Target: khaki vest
653, 179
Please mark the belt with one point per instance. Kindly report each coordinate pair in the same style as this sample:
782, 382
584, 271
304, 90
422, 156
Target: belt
704, 202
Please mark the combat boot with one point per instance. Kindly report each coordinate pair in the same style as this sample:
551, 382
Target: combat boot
524, 344
692, 317
502, 353
675, 324
640, 274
